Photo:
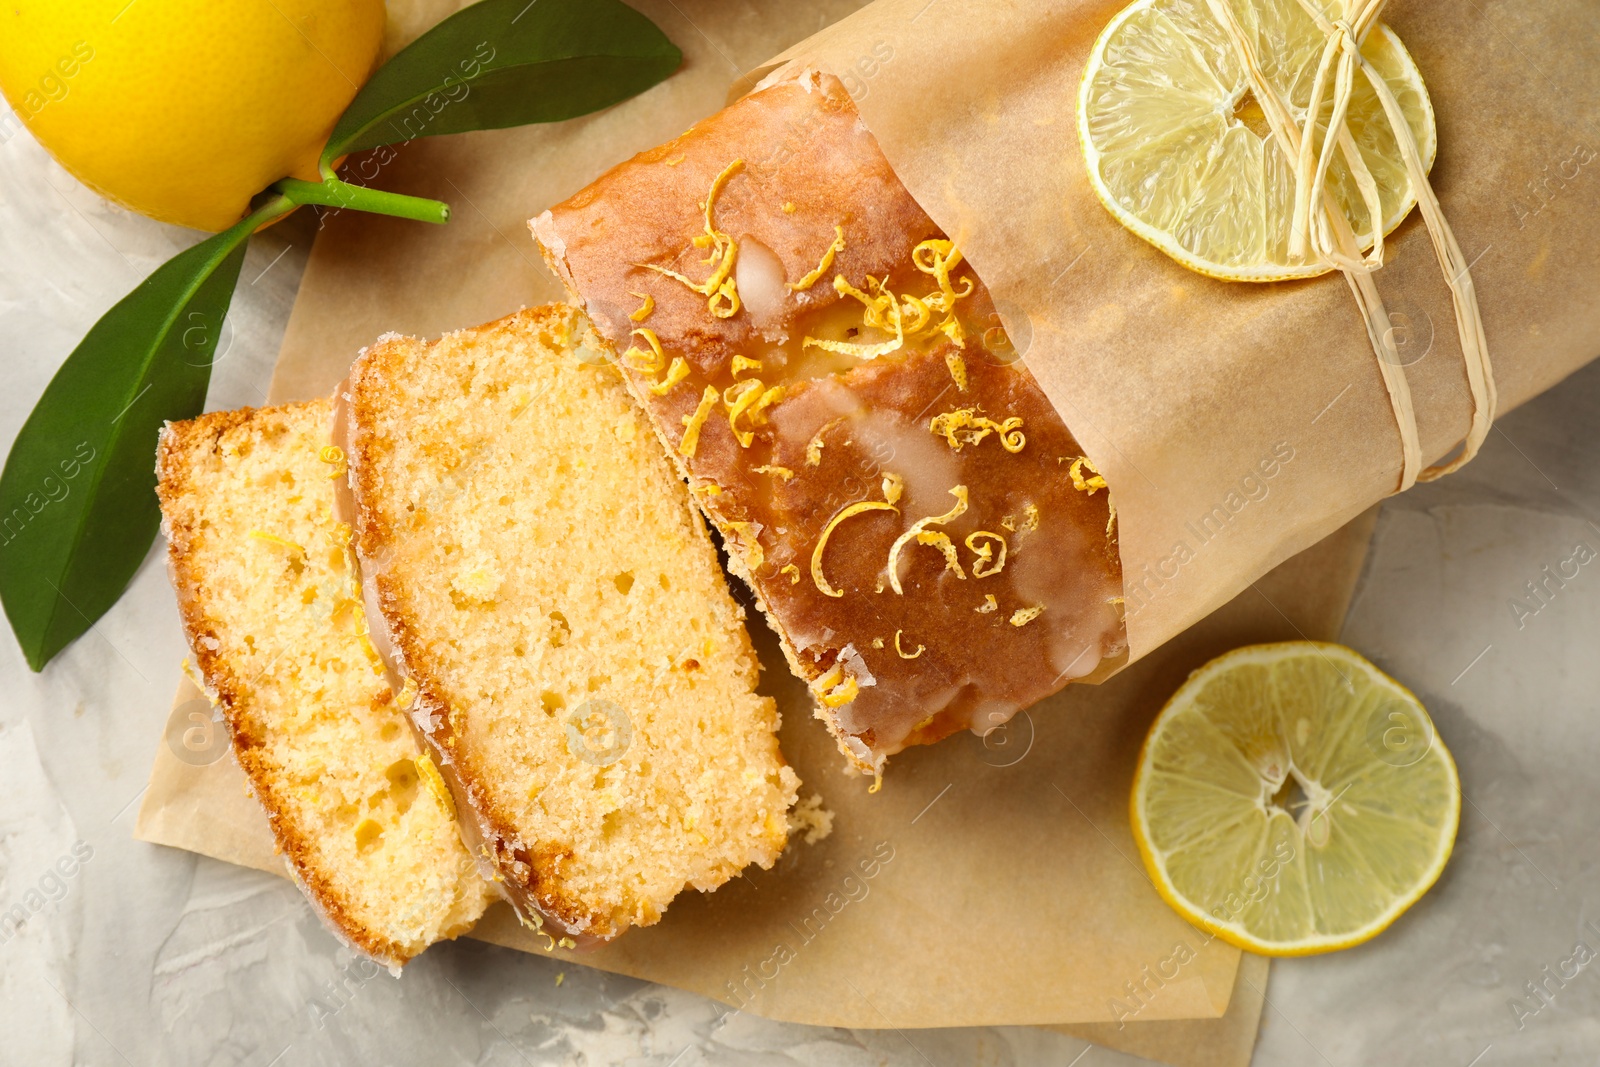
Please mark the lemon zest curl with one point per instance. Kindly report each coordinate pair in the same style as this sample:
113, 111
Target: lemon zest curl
675, 374
693, 423
1092, 485
824, 266
721, 289
916, 528
836, 687
637, 359
848, 511
964, 426
987, 562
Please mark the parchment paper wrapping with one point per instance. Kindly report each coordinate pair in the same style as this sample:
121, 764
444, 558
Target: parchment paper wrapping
1186, 391
1013, 893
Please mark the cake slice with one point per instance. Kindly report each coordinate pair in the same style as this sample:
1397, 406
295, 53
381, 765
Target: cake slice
272, 612
579, 667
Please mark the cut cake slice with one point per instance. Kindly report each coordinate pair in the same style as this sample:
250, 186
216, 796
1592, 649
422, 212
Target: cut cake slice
271, 608
578, 664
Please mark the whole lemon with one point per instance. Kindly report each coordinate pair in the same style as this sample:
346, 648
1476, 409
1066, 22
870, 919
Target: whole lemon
184, 109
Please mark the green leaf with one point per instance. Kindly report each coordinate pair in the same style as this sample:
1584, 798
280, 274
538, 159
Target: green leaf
506, 63
78, 507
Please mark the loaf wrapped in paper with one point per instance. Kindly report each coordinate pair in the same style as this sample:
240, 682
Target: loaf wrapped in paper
919, 525
1230, 425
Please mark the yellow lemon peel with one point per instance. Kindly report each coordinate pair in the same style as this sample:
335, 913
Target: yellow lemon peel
825, 265
645, 308
692, 423
755, 555
742, 364
371, 653
814, 446
750, 399
793, 572
767, 399
1023, 616
908, 317
964, 426
893, 487
774, 470
836, 688
230, 97
958, 370
193, 674
675, 374
736, 398
721, 289
987, 562
902, 652
916, 528
842, 694
918, 308
334, 457
882, 312
941, 541
433, 781
939, 258
1093, 484
274, 539
989, 604
848, 511
651, 362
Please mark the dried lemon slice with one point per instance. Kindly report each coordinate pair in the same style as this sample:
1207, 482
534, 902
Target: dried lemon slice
1216, 815
1179, 150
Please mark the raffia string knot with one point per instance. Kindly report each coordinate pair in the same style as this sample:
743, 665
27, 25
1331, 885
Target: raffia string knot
1319, 231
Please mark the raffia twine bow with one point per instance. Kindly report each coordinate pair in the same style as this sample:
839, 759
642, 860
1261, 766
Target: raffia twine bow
1320, 232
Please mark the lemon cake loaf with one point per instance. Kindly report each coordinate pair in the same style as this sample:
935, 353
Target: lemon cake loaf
567, 640
271, 608
924, 532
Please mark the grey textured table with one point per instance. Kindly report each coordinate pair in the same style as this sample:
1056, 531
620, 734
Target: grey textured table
144, 955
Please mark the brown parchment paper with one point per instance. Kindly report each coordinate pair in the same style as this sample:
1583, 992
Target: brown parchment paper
1013, 893
1014, 889
1184, 390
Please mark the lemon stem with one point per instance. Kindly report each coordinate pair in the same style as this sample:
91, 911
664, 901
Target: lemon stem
331, 192
278, 206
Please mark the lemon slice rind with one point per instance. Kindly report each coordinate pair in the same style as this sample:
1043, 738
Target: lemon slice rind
1243, 828
1384, 48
